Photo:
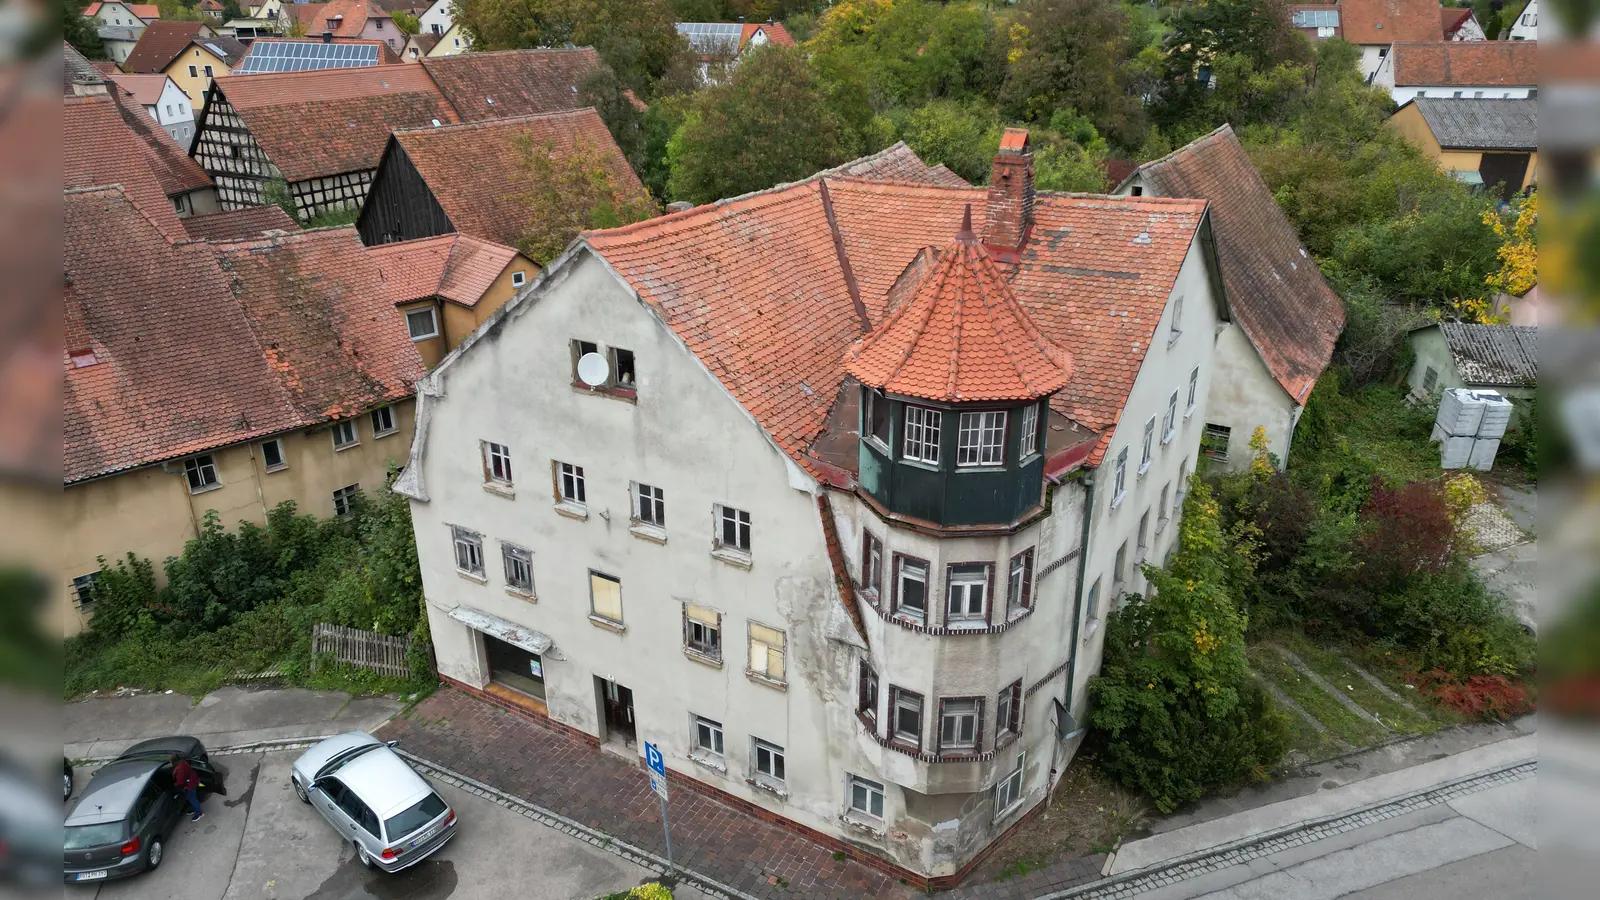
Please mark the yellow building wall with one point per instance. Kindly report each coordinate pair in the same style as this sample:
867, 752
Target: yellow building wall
151, 513
195, 86
432, 349
460, 321
1411, 126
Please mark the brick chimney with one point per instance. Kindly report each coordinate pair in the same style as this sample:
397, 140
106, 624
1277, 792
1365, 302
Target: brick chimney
1009, 211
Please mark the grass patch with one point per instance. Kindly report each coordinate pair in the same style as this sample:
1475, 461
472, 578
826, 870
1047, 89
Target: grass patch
1383, 662
1088, 813
1305, 739
1340, 722
1337, 671
1369, 430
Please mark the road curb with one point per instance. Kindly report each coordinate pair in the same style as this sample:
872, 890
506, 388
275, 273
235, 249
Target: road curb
1222, 856
297, 743
553, 819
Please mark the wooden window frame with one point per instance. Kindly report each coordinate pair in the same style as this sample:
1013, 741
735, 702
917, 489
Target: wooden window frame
895, 737
976, 746
895, 597
1008, 701
1028, 431
988, 438
871, 574
867, 692
1025, 601
966, 618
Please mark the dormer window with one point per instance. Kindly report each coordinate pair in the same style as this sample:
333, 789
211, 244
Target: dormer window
982, 439
922, 434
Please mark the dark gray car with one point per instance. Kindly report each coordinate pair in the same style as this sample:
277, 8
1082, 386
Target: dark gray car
124, 817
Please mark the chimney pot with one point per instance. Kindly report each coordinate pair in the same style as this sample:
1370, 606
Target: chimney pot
1008, 210
327, 37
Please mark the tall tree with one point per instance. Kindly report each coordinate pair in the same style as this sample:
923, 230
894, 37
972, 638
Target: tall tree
79, 30
1236, 40
573, 190
771, 122
637, 38
1072, 53
911, 51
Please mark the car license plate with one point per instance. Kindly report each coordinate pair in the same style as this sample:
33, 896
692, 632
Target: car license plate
91, 876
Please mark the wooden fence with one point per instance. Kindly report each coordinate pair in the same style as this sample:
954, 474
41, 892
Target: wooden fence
364, 649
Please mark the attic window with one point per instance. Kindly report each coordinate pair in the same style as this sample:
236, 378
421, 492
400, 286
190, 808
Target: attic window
82, 358
437, 123
489, 100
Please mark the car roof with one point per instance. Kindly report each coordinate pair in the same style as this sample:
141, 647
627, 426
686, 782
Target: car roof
383, 781
111, 792
312, 761
183, 745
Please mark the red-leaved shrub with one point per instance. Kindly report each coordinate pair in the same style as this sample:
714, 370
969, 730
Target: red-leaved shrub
1477, 697
1408, 531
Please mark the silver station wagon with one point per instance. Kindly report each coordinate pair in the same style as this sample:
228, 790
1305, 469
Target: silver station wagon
374, 800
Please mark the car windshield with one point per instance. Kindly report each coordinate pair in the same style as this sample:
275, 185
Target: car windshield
417, 816
339, 759
80, 837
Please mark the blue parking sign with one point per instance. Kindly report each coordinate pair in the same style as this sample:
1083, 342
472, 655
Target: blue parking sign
653, 760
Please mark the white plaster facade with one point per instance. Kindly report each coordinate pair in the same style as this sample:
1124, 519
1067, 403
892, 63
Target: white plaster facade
1526, 26
174, 114
512, 383
437, 19
1384, 78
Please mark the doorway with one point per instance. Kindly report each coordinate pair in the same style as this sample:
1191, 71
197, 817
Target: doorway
514, 667
617, 710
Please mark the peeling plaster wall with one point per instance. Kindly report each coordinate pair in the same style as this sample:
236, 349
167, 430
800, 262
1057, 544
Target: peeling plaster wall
1244, 395
686, 436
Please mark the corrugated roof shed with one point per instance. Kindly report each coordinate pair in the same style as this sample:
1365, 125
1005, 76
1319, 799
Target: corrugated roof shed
1482, 124
1494, 355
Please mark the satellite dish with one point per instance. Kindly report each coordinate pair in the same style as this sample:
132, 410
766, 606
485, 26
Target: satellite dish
593, 369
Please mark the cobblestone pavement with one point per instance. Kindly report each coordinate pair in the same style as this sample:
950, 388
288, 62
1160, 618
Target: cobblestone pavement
1050, 879
602, 792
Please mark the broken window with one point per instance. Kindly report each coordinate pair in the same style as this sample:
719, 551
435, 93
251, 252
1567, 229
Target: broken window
867, 692
201, 471
1429, 380
876, 418
702, 630
621, 367
1008, 710
469, 550
967, 593
871, 563
911, 587
345, 499
605, 597
519, 567
1214, 443
85, 589
766, 652
272, 455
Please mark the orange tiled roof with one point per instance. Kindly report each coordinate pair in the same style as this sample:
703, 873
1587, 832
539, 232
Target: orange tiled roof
98, 148
239, 224
962, 337
454, 267
174, 169
1388, 21
1275, 290
331, 121
776, 34
755, 288
510, 83
161, 43
1467, 63
1451, 20
475, 173
352, 16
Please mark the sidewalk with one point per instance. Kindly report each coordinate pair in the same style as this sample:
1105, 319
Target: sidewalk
227, 717
568, 776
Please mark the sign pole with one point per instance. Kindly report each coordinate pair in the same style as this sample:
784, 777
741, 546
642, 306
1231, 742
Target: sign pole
657, 766
666, 832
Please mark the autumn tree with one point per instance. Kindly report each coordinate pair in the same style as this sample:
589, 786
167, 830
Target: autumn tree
1071, 53
908, 52
771, 122
573, 190
406, 23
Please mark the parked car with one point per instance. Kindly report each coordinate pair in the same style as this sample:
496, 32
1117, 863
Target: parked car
130, 809
373, 799
66, 779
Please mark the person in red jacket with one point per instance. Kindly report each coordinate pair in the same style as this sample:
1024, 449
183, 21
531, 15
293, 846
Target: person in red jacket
184, 779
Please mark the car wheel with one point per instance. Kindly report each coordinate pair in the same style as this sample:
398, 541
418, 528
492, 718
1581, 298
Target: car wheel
153, 856
361, 854
66, 787
300, 791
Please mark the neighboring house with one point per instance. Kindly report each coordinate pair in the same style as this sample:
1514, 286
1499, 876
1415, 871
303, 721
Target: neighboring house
195, 382
119, 41
1377, 25
1485, 142
723, 43
1503, 358
187, 52
248, 29
321, 131
1475, 70
79, 76
452, 43
1317, 21
362, 19
419, 47
877, 458
1460, 24
1526, 25
471, 178
325, 131
211, 9
166, 103
438, 19
1288, 317
446, 286
293, 55
120, 25
109, 139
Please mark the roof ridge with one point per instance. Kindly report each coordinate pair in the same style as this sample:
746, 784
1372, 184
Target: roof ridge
1215, 132
479, 54
489, 123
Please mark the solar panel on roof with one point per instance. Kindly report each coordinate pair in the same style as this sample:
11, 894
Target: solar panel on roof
1316, 18
303, 56
712, 38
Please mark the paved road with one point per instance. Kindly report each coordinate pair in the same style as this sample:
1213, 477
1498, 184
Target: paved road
262, 843
1480, 845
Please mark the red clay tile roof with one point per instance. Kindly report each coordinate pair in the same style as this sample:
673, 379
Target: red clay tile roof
776, 34
238, 224
1467, 63
1389, 21
1453, 19
161, 43
510, 83
755, 289
1275, 290
76, 69
336, 343
899, 163
177, 369
962, 337
146, 11
310, 15
146, 89
454, 267
99, 149
475, 173
177, 172
331, 121
352, 17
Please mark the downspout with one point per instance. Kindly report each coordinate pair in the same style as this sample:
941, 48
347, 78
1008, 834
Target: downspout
1077, 600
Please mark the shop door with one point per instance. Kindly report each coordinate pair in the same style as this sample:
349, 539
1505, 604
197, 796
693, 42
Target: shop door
515, 667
